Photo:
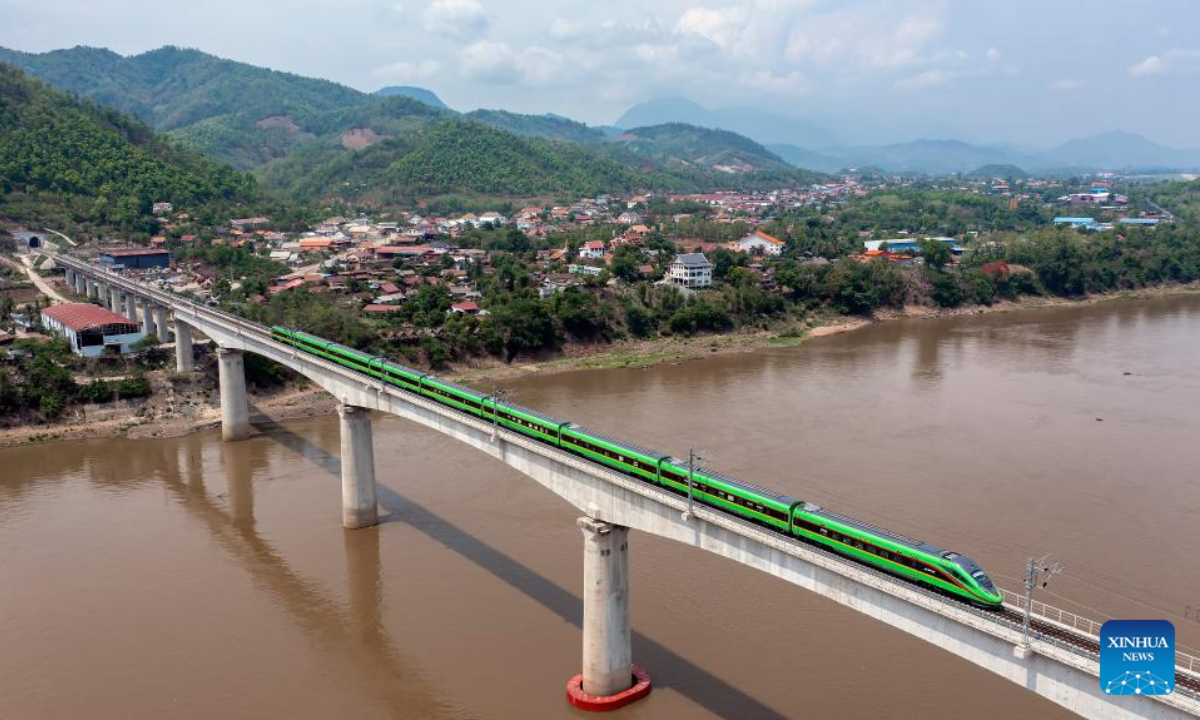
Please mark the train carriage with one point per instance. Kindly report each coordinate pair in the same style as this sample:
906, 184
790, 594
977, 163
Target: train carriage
945, 571
730, 494
618, 454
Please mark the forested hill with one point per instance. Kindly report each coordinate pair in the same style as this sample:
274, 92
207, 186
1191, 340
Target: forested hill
173, 87
310, 139
454, 156
69, 163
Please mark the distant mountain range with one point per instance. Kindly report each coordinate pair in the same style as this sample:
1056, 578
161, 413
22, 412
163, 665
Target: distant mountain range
314, 138
807, 145
759, 125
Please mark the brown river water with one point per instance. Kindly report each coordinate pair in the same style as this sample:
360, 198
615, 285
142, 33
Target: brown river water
187, 578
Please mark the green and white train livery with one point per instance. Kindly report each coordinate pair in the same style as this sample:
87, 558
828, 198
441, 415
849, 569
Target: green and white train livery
944, 571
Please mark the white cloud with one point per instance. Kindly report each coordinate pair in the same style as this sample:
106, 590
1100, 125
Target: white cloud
1153, 65
1067, 83
993, 54
792, 83
457, 18
721, 26
926, 79
404, 70
497, 62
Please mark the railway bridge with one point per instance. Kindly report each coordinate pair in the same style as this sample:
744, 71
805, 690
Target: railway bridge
1060, 663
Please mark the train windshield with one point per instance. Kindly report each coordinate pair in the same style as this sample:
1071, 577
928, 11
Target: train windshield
984, 581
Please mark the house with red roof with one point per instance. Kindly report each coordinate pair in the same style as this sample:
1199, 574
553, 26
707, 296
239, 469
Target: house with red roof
92, 330
469, 307
592, 250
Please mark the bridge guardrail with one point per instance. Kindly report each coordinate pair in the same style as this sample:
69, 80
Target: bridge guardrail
1183, 661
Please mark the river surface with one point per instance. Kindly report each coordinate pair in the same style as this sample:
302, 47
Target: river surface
187, 578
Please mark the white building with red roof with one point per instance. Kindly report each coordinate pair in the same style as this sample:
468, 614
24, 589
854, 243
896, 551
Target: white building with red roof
759, 241
92, 330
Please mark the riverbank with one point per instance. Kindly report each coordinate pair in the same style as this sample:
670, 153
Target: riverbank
645, 353
181, 407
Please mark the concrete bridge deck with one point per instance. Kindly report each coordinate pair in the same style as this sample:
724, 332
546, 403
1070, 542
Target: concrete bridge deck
1060, 664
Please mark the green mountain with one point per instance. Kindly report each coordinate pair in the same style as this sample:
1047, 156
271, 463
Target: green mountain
319, 139
68, 161
247, 141
416, 93
550, 127
453, 156
172, 87
680, 145
1005, 171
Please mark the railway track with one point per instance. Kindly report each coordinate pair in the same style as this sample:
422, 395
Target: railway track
1045, 629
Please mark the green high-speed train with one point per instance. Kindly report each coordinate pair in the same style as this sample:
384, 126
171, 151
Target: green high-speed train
941, 570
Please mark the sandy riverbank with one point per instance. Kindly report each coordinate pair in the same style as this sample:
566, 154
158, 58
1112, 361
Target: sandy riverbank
183, 405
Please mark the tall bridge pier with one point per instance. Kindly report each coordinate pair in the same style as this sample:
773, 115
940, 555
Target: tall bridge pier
359, 507
609, 678
231, 377
148, 324
184, 362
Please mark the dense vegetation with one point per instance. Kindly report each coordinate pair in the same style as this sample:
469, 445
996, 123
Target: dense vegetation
548, 127
39, 383
677, 143
452, 156
65, 163
174, 87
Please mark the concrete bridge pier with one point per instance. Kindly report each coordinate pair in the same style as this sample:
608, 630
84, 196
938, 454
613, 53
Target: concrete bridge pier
69, 277
148, 325
114, 299
609, 678
93, 289
359, 507
131, 307
235, 412
183, 347
80, 284
160, 323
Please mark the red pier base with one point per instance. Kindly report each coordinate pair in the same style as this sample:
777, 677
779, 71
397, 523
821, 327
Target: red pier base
602, 703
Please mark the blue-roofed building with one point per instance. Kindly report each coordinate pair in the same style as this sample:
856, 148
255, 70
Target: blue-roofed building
1075, 221
1147, 222
911, 245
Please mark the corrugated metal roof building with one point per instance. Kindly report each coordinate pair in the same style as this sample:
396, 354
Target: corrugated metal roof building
92, 330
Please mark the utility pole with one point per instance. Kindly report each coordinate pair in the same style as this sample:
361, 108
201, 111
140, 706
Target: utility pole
497, 396
1037, 572
693, 458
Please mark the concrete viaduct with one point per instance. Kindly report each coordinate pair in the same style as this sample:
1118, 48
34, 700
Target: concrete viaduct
1059, 665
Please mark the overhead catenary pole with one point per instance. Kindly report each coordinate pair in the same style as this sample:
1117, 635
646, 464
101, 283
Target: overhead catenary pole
497, 396
693, 458
1037, 572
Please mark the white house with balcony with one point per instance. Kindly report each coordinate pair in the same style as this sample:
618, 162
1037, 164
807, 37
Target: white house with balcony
690, 270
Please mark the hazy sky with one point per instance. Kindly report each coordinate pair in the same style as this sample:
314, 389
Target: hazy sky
1027, 71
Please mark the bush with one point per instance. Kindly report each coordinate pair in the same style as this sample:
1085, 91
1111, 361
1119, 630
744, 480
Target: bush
133, 387
946, 291
639, 321
97, 391
698, 316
